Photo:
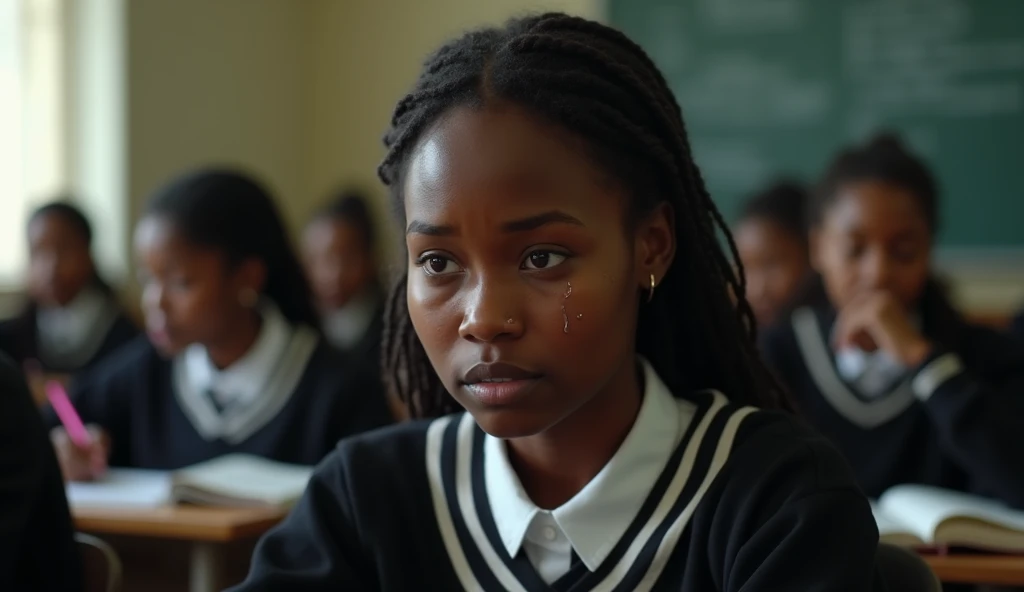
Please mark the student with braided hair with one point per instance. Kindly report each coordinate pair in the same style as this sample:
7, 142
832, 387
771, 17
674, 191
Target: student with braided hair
565, 327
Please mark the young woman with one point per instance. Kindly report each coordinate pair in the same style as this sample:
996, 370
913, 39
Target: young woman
880, 361
565, 287
771, 238
73, 318
234, 361
339, 246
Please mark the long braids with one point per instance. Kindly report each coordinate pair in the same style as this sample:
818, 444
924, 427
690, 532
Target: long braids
699, 331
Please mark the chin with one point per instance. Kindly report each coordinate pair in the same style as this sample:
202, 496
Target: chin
508, 423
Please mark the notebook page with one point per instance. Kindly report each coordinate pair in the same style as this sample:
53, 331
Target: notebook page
246, 477
925, 507
122, 488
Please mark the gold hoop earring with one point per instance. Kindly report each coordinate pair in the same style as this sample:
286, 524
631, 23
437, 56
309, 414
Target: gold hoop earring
650, 291
248, 298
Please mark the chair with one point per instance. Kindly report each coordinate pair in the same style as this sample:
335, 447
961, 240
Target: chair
903, 570
101, 566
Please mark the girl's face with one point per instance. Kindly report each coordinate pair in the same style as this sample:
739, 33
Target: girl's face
523, 275
775, 263
873, 237
337, 261
189, 295
60, 264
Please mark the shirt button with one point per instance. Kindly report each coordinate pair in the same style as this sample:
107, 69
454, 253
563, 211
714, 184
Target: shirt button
549, 533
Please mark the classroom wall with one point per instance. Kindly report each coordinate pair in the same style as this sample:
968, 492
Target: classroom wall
365, 56
217, 81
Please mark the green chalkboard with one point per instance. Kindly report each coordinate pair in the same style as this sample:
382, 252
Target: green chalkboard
772, 87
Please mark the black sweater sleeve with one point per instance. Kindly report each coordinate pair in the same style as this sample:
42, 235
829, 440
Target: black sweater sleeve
975, 400
316, 548
35, 525
792, 517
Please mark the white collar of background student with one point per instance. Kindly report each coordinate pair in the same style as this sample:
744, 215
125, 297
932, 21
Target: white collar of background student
73, 333
253, 390
242, 381
596, 517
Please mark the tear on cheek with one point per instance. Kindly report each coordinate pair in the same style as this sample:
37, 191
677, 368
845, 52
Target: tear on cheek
565, 314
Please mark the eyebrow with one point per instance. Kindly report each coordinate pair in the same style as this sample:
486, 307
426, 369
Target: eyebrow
523, 225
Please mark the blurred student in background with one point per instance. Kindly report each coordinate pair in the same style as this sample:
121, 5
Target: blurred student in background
73, 318
339, 246
771, 237
879, 360
235, 361
37, 546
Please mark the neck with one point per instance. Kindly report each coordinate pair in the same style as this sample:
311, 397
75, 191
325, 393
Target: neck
237, 341
556, 464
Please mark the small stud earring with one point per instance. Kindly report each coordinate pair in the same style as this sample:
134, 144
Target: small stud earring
248, 298
510, 321
650, 291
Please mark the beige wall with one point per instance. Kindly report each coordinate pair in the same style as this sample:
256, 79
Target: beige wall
299, 91
367, 53
217, 81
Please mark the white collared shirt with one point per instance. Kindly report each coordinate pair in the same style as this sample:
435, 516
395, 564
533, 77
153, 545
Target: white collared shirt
594, 520
345, 326
241, 382
76, 331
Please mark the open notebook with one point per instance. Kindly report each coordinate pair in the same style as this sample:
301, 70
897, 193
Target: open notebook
922, 516
237, 480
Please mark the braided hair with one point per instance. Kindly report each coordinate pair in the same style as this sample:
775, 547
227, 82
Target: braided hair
698, 331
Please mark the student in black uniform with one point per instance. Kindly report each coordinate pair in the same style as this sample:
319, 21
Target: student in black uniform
565, 286
37, 546
879, 360
771, 238
339, 249
234, 361
73, 318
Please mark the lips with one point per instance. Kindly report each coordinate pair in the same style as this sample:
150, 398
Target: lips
499, 383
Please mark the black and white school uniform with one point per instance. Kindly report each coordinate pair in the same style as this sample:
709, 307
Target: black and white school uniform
290, 398
702, 495
956, 421
69, 339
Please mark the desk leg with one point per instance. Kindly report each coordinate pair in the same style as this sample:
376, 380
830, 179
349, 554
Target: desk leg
205, 567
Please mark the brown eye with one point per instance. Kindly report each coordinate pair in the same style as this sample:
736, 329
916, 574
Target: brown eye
438, 265
542, 260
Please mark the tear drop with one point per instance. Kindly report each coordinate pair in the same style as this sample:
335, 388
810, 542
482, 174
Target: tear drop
565, 318
579, 316
568, 290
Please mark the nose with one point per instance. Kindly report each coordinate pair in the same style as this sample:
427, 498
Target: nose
154, 297
877, 270
490, 314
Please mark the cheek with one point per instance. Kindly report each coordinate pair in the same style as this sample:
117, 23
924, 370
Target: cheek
435, 314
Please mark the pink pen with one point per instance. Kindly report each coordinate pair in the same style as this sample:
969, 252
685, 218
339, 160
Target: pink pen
66, 413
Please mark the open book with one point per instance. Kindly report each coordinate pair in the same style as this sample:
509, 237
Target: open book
922, 516
237, 480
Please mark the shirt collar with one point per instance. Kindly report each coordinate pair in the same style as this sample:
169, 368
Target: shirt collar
242, 381
345, 326
73, 321
595, 518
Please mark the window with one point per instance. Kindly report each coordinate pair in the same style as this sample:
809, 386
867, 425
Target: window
33, 126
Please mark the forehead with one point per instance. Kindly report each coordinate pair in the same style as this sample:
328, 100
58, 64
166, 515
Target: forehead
501, 155
876, 207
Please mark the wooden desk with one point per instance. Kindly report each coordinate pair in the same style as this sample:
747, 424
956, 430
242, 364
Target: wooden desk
1005, 570
205, 529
